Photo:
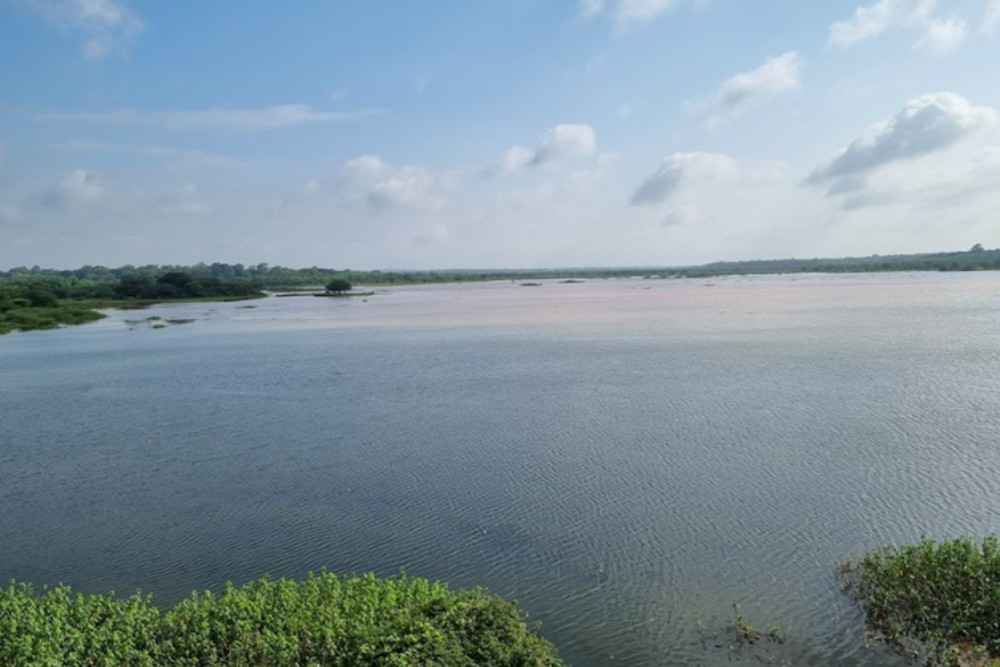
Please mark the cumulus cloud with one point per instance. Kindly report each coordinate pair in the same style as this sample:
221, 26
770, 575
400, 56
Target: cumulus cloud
103, 25
382, 186
926, 124
938, 34
630, 13
776, 75
237, 120
679, 169
563, 142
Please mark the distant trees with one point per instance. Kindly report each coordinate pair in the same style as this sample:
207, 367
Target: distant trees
180, 285
339, 285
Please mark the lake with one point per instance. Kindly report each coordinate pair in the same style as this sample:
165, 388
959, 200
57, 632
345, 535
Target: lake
625, 458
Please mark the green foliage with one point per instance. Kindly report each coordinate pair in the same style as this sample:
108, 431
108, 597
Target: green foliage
153, 281
27, 318
180, 285
938, 598
321, 620
339, 285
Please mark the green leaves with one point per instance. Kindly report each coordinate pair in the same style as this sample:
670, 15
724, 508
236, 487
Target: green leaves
321, 620
940, 595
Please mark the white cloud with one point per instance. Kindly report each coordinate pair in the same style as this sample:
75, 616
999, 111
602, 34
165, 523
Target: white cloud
364, 168
776, 75
926, 124
564, 142
630, 13
411, 188
103, 25
381, 186
245, 120
941, 36
584, 180
991, 20
516, 157
679, 169
868, 21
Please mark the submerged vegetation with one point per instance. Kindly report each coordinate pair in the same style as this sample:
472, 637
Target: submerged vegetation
940, 600
323, 620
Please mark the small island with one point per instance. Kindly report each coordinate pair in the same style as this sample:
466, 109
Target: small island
341, 287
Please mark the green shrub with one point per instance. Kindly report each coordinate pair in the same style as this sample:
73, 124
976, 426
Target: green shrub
26, 318
941, 599
319, 621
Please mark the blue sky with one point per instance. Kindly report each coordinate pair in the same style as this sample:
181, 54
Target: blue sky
522, 133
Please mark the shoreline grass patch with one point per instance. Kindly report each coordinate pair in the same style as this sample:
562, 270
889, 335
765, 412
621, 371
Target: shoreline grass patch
935, 600
321, 620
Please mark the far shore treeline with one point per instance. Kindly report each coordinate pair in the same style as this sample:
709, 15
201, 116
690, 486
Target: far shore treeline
264, 276
40, 298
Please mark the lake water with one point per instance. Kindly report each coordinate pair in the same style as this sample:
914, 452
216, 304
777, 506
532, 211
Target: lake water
625, 458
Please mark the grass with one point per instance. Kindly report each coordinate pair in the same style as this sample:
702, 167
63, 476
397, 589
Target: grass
319, 621
936, 600
31, 318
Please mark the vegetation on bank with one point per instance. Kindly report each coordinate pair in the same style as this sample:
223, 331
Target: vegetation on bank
24, 288
939, 600
99, 281
323, 620
41, 301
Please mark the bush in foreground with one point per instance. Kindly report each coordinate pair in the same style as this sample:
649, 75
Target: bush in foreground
319, 621
938, 599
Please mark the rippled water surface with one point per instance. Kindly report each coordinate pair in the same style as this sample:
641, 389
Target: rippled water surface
625, 458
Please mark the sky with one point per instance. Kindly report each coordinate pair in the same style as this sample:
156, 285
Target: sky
434, 134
